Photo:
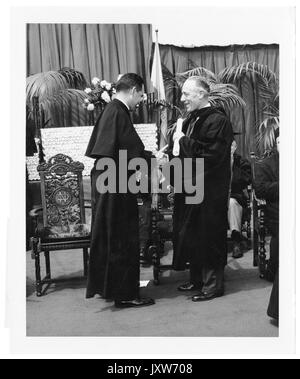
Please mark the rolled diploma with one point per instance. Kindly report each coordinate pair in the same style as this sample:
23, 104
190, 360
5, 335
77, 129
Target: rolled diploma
176, 147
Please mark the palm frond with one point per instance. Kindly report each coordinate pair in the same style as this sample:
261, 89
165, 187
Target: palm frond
167, 74
226, 96
65, 96
208, 75
44, 84
74, 78
65, 108
235, 73
265, 135
171, 129
259, 77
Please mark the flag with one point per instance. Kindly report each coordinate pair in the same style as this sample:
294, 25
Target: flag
159, 89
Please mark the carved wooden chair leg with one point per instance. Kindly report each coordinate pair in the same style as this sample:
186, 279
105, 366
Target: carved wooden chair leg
255, 249
255, 233
85, 261
48, 266
262, 245
154, 248
36, 256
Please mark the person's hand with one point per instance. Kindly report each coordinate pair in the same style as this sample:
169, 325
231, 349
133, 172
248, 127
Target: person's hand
161, 158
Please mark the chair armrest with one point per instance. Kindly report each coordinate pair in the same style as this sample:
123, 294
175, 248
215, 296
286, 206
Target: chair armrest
35, 211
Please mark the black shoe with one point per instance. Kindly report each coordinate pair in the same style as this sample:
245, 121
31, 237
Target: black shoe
134, 303
204, 296
237, 252
188, 287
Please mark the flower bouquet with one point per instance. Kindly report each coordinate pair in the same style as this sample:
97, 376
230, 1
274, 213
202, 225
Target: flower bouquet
99, 94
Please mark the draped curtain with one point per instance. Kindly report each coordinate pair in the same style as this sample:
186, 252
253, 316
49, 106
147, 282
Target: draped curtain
106, 50
102, 50
216, 58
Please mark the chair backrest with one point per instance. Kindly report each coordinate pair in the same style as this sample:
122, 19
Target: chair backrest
62, 192
254, 161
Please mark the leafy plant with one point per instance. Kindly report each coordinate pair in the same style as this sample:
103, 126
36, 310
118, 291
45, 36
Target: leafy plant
221, 94
64, 108
225, 92
44, 84
74, 78
268, 92
60, 95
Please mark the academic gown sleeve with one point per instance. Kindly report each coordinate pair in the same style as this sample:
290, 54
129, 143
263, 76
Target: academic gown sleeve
103, 141
213, 146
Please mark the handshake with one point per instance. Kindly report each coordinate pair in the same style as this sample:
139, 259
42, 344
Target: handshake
160, 156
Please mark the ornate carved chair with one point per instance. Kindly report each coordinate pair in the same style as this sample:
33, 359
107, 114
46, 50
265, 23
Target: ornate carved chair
246, 218
161, 228
258, 227
161, 232
63, 224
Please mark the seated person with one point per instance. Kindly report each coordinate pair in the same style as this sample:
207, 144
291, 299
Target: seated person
267, 187
241, 177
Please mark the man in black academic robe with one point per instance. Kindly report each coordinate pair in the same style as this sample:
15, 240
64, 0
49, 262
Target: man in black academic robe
114, 268
200, 230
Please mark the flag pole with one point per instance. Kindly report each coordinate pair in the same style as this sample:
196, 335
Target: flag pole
158, 114
158, 84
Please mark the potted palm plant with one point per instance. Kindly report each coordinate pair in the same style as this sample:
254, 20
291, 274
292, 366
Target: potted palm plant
227, 90
60, 95
267, 87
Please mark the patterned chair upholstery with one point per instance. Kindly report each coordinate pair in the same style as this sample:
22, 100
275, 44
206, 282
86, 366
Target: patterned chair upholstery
63, 223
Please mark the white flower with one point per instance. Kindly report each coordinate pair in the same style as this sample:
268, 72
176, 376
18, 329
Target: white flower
105, 96
90, 107
86, 101
95, 81
114, 91
88, 90
108, 86
103, 83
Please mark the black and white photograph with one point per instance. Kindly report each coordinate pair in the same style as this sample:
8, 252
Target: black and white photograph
153, 178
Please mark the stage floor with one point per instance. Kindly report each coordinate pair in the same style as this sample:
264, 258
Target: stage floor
64, 311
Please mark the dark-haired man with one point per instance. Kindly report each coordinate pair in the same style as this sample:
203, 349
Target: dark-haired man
114, 270
200, 230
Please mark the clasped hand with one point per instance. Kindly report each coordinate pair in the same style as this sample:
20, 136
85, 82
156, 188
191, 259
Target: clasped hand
160, 156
